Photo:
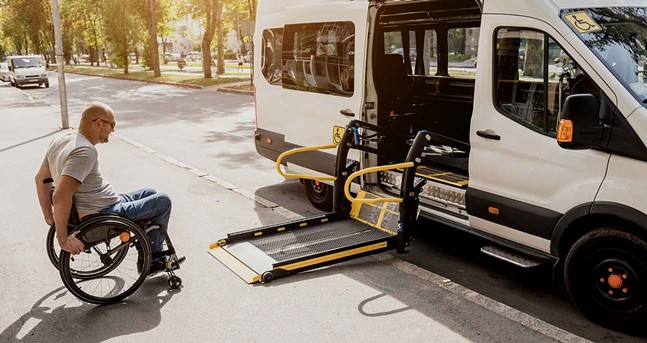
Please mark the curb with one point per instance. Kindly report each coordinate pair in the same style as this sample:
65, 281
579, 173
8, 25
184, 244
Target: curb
235, 91
146, 81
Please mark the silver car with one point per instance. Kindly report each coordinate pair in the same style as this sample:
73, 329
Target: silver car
4, 72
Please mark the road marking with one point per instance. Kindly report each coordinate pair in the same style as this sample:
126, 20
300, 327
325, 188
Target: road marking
501, 309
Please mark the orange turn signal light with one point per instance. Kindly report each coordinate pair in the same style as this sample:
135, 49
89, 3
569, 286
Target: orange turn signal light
493, 210
565, 131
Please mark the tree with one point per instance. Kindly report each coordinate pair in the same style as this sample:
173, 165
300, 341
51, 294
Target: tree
120, 26
152, 37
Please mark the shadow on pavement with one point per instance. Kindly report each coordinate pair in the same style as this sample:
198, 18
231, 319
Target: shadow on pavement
29, 141
57, 318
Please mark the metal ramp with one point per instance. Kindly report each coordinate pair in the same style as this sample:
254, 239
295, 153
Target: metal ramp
371, 225
280, 250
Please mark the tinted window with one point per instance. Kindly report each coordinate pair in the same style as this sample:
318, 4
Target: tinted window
271, 55
534, 75
319, 58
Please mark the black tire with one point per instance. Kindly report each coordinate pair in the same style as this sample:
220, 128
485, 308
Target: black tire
47, 84
174, 282
267, 277
606, 277
103, 241
54, 250
319, 194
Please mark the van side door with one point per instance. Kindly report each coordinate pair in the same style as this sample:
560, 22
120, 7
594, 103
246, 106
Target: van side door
521, 181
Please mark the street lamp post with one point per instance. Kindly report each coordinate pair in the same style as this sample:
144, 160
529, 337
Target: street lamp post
60, 64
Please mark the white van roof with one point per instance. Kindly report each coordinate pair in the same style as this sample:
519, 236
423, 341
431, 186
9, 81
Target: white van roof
24, 56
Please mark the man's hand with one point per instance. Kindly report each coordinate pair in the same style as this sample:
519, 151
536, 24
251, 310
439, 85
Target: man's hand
71, 244
49, 220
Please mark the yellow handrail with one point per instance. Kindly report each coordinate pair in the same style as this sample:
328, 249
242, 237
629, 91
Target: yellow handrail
372, 170
303, 176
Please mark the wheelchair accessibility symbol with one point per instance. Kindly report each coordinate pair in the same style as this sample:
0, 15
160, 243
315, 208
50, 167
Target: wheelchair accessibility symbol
582, 22
337, 132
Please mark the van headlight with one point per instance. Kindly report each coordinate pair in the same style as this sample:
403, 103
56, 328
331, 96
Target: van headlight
43, 75
20, 76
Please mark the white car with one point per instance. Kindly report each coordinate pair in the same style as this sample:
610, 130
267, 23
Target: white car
4, 72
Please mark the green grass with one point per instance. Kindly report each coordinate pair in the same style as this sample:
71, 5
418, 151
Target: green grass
139, 74
246, 87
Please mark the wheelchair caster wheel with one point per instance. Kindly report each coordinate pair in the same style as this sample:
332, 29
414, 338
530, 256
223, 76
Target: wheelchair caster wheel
174, 282
267, 277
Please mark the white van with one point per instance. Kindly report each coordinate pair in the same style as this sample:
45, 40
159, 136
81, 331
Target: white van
25, 70
547, 96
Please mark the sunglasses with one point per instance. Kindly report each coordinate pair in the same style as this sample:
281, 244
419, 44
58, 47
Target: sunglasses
107, 122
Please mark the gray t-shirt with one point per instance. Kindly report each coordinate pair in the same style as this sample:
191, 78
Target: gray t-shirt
73, 155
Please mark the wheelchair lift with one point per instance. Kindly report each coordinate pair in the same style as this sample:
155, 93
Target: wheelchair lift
371, 225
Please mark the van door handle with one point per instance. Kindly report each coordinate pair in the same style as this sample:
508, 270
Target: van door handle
347, 113
489, 134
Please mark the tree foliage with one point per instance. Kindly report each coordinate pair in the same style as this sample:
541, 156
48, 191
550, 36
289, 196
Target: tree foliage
108, 30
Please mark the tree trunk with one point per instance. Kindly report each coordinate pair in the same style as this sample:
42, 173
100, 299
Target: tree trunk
221, 46
152, 38
210, 21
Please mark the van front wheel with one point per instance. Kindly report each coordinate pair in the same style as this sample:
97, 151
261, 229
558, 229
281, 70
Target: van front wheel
319, 194
606, 277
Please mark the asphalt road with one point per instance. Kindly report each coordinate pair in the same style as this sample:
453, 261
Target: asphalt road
213, 132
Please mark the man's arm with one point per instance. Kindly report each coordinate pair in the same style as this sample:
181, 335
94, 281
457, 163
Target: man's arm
63, 195
43, 190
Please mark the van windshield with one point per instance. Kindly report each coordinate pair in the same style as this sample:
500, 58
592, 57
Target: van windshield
26, 62
618, 36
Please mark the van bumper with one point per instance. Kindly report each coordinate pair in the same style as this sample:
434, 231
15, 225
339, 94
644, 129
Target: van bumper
31, 80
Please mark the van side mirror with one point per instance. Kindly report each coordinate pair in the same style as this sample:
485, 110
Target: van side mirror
579, 123
10, 68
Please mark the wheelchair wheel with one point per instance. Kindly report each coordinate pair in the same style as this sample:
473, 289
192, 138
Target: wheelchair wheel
90, 271
116, 260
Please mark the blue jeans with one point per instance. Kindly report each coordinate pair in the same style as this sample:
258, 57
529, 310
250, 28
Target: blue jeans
145, 205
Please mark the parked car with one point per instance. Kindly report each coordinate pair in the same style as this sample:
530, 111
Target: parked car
170, 57
194, 56
4, 72
25, 70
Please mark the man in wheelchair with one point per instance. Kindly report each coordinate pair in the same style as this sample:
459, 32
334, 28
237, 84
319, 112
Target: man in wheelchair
72, 163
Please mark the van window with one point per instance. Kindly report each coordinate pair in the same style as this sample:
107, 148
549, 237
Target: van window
319, 58
271, 55
462, 44
394, 45
26, 62
534, 75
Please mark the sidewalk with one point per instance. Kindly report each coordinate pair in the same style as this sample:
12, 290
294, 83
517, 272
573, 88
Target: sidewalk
229, 87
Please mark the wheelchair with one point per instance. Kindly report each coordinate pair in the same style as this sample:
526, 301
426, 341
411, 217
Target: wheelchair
116, 259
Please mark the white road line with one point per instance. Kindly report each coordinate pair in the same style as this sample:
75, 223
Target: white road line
501, 309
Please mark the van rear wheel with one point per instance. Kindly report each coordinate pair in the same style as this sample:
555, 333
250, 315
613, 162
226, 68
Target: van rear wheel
319, 194
606, 277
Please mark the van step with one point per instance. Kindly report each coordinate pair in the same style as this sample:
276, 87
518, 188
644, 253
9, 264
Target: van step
518, 259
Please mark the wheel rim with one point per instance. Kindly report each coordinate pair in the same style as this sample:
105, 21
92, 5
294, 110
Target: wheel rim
616, 279
318, 189
120, 277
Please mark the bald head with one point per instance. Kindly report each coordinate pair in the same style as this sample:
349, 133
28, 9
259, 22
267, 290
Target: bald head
97, 122
97, 110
